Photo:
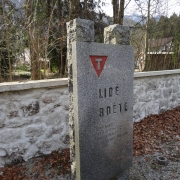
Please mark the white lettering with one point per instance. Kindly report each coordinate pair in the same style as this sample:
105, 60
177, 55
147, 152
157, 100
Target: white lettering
98, 63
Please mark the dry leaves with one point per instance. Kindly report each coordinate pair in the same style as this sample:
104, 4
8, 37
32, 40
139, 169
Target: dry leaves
154, 130
149, 135
59, 162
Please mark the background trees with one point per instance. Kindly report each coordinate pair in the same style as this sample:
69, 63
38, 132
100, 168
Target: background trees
39, 27
155, 27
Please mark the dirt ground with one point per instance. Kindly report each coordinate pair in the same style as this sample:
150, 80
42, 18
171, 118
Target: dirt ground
155, 136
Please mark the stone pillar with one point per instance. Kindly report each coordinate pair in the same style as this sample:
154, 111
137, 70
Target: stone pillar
117, 34
77, 30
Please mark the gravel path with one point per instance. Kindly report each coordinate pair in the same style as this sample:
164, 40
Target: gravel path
147, 167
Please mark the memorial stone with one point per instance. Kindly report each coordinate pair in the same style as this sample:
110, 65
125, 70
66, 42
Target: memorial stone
102, 109
77, 30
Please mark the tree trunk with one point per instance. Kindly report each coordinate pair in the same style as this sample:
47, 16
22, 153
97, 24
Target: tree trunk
121, 12
7, 41
115, 10
74, 9
60, 18
147, 37
85, 9
118, 11
48, 8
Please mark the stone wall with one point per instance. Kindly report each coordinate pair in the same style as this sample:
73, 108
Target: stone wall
34, 114
155, 92
33, 119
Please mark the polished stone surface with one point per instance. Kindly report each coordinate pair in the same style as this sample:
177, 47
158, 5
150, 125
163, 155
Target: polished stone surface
103, 109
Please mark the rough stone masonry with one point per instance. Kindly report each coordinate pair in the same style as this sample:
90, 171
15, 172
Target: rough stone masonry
33, 122
102, 117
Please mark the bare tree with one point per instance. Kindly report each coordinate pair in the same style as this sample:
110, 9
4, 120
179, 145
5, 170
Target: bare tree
7, 38
74, 9
118, 11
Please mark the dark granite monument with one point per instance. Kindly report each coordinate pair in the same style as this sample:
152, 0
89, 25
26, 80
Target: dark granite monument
102, 109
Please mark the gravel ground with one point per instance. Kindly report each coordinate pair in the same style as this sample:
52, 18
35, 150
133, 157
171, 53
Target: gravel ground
155, 136
147, 167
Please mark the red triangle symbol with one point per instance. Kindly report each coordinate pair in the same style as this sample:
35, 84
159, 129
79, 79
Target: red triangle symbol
98, 63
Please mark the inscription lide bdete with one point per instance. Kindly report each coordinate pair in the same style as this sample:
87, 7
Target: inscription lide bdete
113, 108
109, 132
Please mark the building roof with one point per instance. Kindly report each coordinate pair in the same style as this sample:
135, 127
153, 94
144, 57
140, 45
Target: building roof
159, 42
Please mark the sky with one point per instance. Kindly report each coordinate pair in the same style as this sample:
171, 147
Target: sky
167, 7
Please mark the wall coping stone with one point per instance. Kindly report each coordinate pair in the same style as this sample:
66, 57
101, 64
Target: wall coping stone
17, 86
156, 73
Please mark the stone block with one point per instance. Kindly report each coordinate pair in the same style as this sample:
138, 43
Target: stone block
157, 95
65, 102
17, 122
103, 109
175, 89
57, 105
167, 92
11, 110
15, 150
34, 132
146, 97
31, 109
152, 108
172, 105
77, 30
44, 146
168, 83
163, 103
65, 139
138, 82
50, 98
151, 86
163, 109
37, 119
56, 118
174, 97
31, 152
2, 152
8, 136
117, 34
58, 129
139, 111
2, 162
139, 90
178, 94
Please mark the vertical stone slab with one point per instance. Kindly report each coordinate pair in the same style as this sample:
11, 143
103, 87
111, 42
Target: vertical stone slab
117, 34
103, 109
77, 30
